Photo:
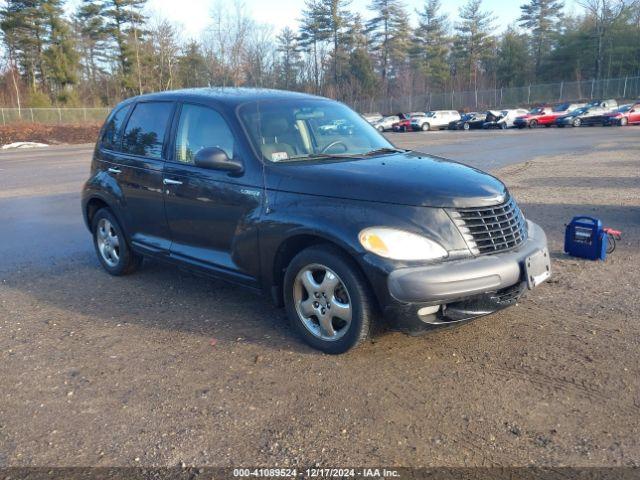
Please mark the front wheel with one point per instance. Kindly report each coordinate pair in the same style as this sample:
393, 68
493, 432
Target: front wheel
327, 299
466, 126
381, 129
624, 121
114, 254
425, 127
577, 122
504, 126
533, 124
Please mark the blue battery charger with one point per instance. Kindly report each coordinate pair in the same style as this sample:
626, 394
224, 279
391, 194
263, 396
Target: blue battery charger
584, 237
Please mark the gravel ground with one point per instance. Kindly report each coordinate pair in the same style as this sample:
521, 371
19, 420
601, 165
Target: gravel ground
163, 367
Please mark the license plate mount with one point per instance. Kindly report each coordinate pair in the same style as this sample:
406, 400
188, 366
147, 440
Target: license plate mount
537, 268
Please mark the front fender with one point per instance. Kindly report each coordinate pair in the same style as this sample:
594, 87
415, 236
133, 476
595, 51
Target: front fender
339, 222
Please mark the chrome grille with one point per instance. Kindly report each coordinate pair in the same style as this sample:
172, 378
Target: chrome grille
490, 230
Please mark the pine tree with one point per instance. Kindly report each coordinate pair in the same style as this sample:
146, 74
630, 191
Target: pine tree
542, 18
389, 31
512, 59
94, 37
473, 39
313, 33
124, 22
192, 66
335, 20
60, 55
290, 55
431, 44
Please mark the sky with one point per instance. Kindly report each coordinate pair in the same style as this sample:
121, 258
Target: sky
193, 15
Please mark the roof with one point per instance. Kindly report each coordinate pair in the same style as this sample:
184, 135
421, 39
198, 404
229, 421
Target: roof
228, 95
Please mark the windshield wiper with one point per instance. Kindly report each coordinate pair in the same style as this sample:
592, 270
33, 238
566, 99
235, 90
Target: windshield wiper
382, 151
354, 156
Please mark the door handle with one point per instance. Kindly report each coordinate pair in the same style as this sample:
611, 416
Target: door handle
168, 181
115, 171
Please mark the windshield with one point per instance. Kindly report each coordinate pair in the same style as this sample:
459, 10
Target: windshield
537, 111
624, 108
290, 130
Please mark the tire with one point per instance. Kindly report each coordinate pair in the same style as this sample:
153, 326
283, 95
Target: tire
380, 129
350, 291
466, 126
503, 126
624, 121
533, 124
577, 122
113, 251
425, 127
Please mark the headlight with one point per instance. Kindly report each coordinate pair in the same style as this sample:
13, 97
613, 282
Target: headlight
399, 245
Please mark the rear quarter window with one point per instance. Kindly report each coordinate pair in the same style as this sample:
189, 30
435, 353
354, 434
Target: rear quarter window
146, 128
112, 133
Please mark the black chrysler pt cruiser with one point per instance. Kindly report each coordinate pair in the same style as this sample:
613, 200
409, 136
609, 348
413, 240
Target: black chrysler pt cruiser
299, 197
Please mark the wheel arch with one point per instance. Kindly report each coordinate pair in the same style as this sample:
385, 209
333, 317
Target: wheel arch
294, 244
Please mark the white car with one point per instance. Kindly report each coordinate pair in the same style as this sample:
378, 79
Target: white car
503, 118
435, 120
372, 117
386, 123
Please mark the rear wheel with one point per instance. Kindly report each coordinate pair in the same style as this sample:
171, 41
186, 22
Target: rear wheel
113, 251
466, 126
504, 126
577, 122
533, 124
380, 129
328, 301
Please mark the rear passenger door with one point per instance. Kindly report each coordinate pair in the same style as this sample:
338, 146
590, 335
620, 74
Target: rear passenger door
137, 167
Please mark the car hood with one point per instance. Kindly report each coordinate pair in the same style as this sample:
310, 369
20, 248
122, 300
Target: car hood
403, 178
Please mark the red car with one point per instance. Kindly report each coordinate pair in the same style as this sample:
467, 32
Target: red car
544, 115
625, 115
404, 125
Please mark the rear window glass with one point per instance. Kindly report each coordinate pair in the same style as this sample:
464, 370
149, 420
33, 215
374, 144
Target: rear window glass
146, 129
113, 129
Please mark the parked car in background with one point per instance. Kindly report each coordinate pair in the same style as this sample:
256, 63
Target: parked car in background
625, 115
404, 125
434, 120
591, 114
238, 184
372, 117
386, 123
469, 121
336, 126
537, 116
504, 119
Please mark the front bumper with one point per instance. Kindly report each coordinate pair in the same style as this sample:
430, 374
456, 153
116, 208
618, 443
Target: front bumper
473, 286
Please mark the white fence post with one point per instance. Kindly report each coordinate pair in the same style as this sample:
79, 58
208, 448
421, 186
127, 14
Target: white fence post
561, 91
3, 120
529, 95
31, 112
624, 90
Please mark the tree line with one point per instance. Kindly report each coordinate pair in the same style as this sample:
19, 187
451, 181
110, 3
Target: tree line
107, 50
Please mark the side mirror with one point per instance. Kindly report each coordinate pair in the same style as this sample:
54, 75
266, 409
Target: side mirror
214, 158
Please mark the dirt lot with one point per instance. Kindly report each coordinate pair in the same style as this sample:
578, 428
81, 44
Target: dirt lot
49, 134
163, 367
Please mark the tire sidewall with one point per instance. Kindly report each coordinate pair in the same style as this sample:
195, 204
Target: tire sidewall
353, 281
125, 252
426, 127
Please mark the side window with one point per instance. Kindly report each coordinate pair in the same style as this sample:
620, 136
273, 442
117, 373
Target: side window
146, 128
201, 127
113, 129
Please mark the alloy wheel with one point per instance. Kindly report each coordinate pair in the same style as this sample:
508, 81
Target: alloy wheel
108, 242
322, 302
